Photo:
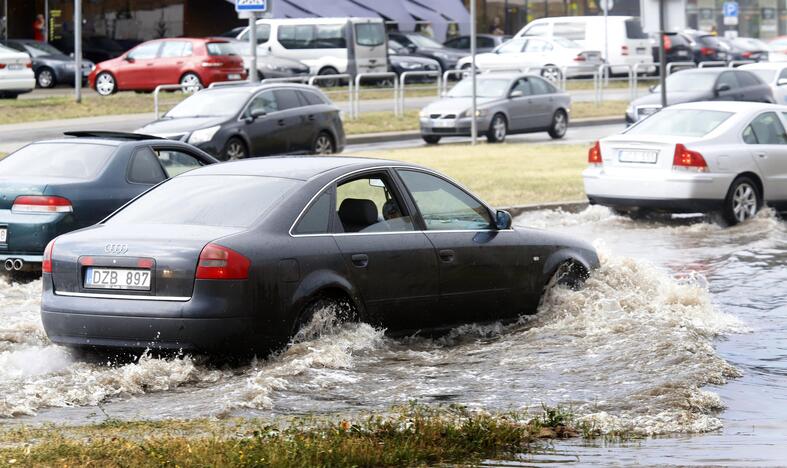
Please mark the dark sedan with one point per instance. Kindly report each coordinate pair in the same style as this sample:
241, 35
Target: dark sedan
51, 67
484, 42
248, 120
420, 45
676, 46
706, 47
241, 255
703, 84
401, 62
745, 49
56, 186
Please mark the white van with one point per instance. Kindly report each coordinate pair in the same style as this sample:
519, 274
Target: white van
327, 45
628, 44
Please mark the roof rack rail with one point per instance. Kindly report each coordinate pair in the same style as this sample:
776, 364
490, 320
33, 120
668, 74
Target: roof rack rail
111, 135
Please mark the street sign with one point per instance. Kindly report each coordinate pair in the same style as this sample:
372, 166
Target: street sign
674, 15
731, 12
258, 6
606, 5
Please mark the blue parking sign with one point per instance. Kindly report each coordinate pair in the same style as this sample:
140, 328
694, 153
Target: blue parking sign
730, 9
260, 6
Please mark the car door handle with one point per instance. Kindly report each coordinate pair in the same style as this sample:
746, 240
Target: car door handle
762, 155
311, 118
447, 255
360, 260
281, 122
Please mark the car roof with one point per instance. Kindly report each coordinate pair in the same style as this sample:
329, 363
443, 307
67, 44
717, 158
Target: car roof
708, 71
730, 106
295, 167
764, 66
254, 87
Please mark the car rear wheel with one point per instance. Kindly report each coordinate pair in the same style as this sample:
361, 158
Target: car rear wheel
105, 84
431, 139
498, 129
8, 95
743, 201
321, 315
323, 144
45, 78
559, 124
191, 83
234, 149
330, 82
551, 73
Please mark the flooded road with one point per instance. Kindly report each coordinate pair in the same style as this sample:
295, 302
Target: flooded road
681, 331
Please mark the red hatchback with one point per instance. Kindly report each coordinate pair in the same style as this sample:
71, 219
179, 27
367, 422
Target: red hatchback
191, 62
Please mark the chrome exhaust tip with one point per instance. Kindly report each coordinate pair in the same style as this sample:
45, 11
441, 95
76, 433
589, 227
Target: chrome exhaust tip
18, 264
9, 265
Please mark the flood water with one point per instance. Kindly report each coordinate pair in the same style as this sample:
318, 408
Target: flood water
682, 331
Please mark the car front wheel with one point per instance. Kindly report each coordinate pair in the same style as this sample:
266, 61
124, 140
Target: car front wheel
105, 84
431, 139
743, 201
559, 124
498, 129
234, 149
46, 78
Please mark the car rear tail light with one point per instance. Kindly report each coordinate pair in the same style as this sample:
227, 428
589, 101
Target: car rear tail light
594, 155
41, 204
29, 64
220, 263
707, 51
624, 50
212, 64
46, 262
146, 263
688, 159
667, 42
3, 65
580, 58
746, 54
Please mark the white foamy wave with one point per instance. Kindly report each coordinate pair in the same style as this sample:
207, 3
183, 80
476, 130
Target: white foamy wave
20, 321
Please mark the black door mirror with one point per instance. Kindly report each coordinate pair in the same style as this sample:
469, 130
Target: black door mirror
722, 88
256, 114
128, 59
412, 49
503, 220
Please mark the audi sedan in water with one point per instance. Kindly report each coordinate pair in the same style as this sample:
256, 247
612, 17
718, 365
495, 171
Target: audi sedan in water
240, 255
56, 186
705, 157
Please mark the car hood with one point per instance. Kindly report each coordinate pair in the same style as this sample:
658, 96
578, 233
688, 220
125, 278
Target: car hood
456, 105
672, 98
164, 127
412, 58
455, 53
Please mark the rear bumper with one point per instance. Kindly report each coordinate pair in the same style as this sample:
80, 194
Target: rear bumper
459, 127
670, 205
209, 76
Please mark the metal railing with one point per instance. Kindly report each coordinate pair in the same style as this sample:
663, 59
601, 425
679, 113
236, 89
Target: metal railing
673, 65
361, 76
220, 84
350, 94
712, 64
403, 82
290, 79
159, 88
738, 63
449, 73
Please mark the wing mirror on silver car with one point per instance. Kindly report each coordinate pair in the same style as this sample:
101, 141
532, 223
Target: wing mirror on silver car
781, 82
722, 88
517, 93
503, 220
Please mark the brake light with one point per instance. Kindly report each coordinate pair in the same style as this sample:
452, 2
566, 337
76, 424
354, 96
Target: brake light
707, 51
29, 64
220, 263
687, 159
746, 54
580, 58
3, 65
208, 64
594, 155
624, 50
41, 204
46, 262
667, 42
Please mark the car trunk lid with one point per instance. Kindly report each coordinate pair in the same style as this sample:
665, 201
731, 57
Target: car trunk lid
623, 156
12, 187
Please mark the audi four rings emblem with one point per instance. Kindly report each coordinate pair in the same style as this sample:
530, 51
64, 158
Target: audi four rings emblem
117, 249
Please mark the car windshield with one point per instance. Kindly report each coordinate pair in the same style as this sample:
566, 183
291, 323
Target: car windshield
765, 75
193, 200
422, 41
211, 103
486, 88
66, 160
221, 48
680, 122
567, 43
682, 82
38, 49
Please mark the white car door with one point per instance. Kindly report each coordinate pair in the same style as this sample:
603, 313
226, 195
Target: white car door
768, 146
538, 53
508, 55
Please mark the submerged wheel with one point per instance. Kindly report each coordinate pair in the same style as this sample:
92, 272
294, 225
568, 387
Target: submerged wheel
559, 124
498, 129
321, 314
743, 201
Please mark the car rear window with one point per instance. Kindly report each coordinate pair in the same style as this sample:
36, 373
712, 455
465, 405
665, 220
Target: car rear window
206, 200
221, 48
634, 30
66, 160
370, 34
681, 122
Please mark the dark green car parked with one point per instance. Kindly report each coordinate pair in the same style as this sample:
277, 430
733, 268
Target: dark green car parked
52, 187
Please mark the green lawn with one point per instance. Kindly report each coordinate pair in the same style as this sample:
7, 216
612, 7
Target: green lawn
505, 174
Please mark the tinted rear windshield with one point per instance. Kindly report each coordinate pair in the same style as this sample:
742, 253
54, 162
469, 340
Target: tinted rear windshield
680, 122
370, 34
208, 200
221, 48
66, 160
634, 30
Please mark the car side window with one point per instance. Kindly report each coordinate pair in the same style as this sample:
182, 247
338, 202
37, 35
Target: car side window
443, 205
540, 86
767, 129
177, 162
263, 34
369, 204
747, 79
317, 218
310, 98
782, 74
512, 47
537, 30
522, 84
483, 42
286, 99
171, 49
145, 168
264, 101
145, 51
729, 79
537, 45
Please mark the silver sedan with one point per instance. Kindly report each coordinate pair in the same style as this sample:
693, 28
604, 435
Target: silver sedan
507, 103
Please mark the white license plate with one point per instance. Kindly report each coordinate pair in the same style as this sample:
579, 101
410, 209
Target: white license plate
233, 76
638, 156
641, 50
15, 66
683, 53
117, 278
3, 235
443, 123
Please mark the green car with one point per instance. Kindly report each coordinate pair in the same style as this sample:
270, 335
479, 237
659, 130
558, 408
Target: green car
52, 187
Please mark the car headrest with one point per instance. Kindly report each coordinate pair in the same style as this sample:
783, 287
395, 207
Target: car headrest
358, 212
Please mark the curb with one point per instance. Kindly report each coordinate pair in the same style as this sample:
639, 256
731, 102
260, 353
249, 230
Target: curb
388, 137
568, 206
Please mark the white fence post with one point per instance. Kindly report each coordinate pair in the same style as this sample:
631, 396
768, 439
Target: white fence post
344, 76
157, 91
403, 82
361, 76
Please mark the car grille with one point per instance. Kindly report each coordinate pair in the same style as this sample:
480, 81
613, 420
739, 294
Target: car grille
442, 116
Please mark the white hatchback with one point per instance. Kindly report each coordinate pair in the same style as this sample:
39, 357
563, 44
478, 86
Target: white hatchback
706, 157
16, 73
